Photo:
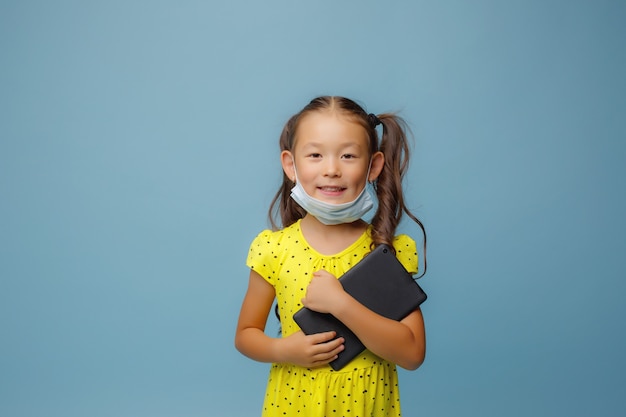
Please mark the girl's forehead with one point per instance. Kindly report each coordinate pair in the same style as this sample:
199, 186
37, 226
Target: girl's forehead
329, 125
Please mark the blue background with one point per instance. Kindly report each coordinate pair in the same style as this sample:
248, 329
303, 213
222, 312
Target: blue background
138, 157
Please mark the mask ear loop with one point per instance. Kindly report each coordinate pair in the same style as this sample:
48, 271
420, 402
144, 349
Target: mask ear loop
295, 173
367, 177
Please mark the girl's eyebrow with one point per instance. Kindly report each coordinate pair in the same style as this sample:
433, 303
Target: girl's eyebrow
310, 144
346, 144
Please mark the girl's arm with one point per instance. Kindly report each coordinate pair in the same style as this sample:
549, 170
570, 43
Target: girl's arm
401, 342
251, 340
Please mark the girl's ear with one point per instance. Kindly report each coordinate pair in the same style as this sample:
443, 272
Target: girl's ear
378, 161
289, 167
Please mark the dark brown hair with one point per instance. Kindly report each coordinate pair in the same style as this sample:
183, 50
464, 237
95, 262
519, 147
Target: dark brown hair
393, 144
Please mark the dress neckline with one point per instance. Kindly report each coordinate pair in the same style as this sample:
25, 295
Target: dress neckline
358, 242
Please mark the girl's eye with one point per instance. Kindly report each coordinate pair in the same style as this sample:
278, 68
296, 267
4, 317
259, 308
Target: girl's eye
315, 155
349, 156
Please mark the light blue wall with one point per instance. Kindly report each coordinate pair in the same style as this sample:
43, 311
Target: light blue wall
138, 157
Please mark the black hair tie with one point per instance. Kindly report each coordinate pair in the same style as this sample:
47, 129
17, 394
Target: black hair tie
373, 120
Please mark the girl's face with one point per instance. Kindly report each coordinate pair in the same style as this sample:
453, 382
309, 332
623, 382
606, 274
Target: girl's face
331, 157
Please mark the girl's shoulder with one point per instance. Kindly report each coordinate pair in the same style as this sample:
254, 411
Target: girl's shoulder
403, 241
268, 250
270, 237
406, 252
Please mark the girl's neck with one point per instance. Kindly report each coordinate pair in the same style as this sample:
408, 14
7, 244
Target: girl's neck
329, 240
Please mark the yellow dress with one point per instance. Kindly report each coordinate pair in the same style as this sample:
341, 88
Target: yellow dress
367, 386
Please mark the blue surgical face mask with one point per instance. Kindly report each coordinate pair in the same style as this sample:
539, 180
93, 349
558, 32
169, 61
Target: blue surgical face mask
331, 214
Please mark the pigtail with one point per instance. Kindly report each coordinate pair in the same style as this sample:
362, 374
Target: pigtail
391, 205
389, 183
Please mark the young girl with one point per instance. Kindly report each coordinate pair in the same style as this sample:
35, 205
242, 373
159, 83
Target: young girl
334, 168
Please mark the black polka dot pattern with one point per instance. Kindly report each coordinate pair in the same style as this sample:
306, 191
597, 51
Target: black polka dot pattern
368, 386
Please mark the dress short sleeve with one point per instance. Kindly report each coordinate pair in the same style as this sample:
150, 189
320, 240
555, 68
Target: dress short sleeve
260, 258
406, 252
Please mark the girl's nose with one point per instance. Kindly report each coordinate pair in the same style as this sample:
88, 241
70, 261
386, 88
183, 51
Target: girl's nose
332, 169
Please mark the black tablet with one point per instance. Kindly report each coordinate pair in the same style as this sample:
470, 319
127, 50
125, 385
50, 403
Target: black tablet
379, 282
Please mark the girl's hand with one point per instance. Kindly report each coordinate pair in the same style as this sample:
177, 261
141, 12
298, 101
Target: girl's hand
323, 293
310, 351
